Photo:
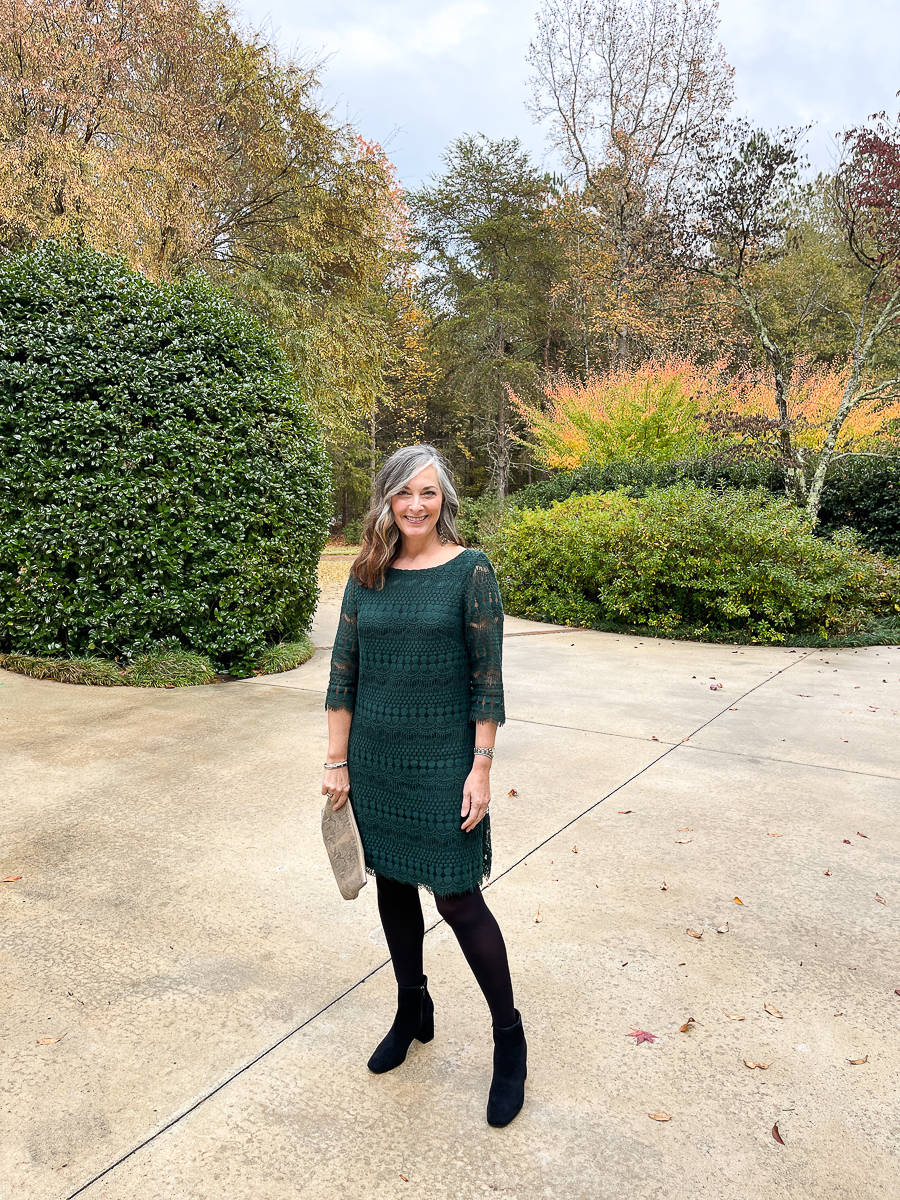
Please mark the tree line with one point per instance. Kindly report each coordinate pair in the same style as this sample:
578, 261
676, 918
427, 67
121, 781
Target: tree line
164, 131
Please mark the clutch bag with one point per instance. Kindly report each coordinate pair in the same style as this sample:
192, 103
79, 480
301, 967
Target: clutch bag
345, 849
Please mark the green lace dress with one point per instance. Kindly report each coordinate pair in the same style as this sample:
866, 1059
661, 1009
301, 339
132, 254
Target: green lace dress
417, 663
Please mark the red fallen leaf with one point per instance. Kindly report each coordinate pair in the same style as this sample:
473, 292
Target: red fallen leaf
847, 842
654, 738
776, 1135
11, 879
623, 812
641, 1035
897, 991
511, 792
865, 835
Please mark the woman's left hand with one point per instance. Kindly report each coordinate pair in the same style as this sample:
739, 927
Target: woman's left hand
476, 795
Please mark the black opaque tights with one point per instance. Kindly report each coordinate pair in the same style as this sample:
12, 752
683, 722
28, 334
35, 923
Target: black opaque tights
476, 931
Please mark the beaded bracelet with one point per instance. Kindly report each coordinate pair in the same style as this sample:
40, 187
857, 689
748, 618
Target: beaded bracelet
334, 766
485, 750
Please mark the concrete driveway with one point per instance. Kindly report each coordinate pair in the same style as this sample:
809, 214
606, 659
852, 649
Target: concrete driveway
189, 1004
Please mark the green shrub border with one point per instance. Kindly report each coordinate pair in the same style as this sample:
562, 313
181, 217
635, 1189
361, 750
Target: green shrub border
162, 669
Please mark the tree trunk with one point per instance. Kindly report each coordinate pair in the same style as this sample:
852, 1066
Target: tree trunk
502, 450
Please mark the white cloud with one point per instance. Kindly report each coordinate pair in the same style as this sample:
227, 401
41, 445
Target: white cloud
417, 74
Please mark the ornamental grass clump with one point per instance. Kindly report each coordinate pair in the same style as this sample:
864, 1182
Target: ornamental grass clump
688, 560
163, 486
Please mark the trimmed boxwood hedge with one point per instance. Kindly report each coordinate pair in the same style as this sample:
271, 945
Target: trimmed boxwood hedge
162, 483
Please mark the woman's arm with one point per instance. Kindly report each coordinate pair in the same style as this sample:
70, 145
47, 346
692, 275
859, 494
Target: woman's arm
477, 788
337, 781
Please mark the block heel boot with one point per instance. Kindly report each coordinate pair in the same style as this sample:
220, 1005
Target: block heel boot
507, 1094
414, 1022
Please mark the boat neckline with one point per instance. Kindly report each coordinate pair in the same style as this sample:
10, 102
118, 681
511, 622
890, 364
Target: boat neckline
436, 567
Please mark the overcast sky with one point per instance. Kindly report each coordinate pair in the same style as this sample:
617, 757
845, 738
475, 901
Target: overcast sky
414, 74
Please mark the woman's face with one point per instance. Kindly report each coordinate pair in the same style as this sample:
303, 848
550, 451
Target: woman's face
417, 506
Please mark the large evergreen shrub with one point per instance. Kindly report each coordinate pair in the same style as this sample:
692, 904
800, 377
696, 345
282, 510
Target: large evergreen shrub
687, 559
162, 484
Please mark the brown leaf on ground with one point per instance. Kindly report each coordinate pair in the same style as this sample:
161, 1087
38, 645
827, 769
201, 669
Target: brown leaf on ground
776, 835
11, 879
683, 841
574, 849
738, 900
654, 738
642, 1035
865, 835
764, 1066
776, 1135
857, 1062
663, 887
49, 1041
773, 1011
840, 1014
693, 933
686, 1026
826, 872
538, 917
735, 1016
660, 1116
512, 792
405, 1178
723, 928
716, 687
753, 1065
623, 812
847, 842
880, 899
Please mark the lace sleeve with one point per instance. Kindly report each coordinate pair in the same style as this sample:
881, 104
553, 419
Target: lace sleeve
345, 655
484, 640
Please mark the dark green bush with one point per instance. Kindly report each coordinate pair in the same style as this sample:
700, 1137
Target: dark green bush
162, 484
862, 492
688, 558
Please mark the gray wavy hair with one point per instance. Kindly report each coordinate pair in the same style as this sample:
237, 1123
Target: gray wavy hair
381, 537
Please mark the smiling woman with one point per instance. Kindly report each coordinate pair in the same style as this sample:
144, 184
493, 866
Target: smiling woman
414, 702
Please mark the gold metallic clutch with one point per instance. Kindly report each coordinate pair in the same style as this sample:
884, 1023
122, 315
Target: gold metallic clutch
345, 849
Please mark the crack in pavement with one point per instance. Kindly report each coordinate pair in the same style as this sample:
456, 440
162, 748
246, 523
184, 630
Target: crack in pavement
213, 1091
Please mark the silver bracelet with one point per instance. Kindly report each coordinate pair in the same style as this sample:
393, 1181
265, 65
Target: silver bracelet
485, 750
334, 766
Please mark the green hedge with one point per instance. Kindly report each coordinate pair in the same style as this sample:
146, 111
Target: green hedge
686, 558
862, 491
162, 484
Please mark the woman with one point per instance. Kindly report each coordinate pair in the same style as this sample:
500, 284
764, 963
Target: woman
414, 702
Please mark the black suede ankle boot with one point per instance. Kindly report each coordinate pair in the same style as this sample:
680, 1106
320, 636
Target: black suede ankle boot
414, 1020
507, 1093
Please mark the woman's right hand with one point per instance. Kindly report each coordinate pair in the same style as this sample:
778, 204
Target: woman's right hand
337, 783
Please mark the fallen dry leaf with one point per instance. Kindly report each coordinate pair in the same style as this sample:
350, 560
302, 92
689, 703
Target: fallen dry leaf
865, 835
686, 829
857, 1062
738, 900
847, 842
537, 917
764, 1066
642, 1035
716, 687
682, 841
897, 991
11, 879
880, 899
660, 1116
773, 1011
826, 872
663, 887
777, 1136
574, 849
735, 1016
654, 738
840, 1014
686, 1026
49, 1041
405, 1178
776, 835
623, 812
511, 792
751, 1065
723, 928
693, 933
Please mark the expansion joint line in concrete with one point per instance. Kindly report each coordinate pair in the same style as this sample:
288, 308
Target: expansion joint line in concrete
194, 1105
